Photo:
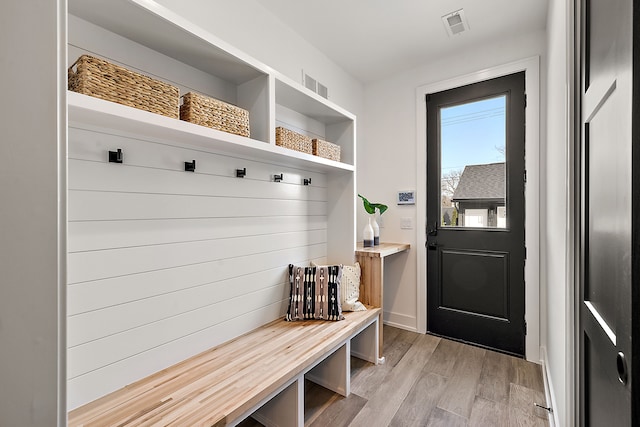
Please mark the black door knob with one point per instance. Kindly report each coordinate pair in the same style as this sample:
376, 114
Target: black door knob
433, 231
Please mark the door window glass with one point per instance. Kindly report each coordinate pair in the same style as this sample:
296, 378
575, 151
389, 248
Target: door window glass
472, 164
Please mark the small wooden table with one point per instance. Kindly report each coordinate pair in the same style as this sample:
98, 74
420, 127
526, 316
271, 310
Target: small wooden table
371, 261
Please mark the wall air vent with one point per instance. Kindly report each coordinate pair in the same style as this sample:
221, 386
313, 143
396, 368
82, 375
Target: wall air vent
310, 82
323, 91
314, 85
455, 22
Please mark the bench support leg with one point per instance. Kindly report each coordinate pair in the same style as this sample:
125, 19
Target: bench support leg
286, 409
365, 345
334, 372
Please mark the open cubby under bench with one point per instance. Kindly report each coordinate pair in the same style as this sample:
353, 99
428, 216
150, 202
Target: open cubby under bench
259, 374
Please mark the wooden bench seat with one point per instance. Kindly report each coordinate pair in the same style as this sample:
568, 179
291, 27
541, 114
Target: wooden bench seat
260, 373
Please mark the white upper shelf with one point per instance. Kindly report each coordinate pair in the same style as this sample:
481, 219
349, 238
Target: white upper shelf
88, 112
298, 98
156, 27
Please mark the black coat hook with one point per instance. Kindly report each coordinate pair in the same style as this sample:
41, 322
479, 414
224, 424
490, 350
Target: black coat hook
115, 156
277, 178
307, 181
241, 173
190, 166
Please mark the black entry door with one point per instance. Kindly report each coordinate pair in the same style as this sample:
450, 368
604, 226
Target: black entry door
607, 224
475, 213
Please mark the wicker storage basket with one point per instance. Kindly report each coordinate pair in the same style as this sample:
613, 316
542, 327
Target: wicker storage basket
104, 80
293, 140
205, 111
326, 149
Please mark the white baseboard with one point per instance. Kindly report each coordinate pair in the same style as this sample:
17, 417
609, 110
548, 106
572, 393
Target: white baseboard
401, 321
548, 388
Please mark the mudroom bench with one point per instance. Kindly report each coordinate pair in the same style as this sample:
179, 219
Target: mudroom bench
259, 374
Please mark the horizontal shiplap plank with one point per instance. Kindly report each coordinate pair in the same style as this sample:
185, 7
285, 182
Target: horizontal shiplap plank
99, 206
96, 295
93, 325
96, 354
94, 265
94, 146
100, 176
90, 386
95, 235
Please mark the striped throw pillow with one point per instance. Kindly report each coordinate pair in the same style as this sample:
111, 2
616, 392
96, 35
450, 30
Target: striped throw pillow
349, 287
314, 293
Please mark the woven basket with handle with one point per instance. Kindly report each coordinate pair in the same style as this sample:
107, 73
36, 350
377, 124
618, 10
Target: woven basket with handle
293, 140
325, 149
206, 111
102, 79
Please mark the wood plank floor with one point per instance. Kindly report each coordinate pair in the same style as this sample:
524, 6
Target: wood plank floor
431, 381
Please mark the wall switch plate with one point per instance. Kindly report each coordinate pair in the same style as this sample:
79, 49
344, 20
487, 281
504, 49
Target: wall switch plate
406, 223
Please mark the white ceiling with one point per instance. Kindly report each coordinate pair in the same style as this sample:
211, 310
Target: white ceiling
372, 39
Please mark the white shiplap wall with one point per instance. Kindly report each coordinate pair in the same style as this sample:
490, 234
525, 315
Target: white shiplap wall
165, 263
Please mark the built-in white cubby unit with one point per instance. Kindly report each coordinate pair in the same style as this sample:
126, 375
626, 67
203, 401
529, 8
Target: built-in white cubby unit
303, 111
148, 38
164, 263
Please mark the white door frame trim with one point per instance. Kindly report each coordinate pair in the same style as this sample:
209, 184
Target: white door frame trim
531, 67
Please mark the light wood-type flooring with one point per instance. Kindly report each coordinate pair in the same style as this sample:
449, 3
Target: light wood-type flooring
431, 381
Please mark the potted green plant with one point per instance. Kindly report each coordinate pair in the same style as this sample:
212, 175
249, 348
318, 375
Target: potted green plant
371, 234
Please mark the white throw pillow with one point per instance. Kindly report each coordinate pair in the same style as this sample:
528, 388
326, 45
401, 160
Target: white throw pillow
350, 288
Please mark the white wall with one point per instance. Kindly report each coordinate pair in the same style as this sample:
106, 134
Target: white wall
554, 244
248, 26
32, 213
387, 157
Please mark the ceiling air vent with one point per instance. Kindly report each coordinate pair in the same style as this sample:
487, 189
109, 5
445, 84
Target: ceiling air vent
455, 22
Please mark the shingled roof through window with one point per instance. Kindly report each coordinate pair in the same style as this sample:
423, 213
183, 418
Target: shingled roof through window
481, 182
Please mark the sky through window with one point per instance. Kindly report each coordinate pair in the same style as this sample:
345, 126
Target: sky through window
473, 133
